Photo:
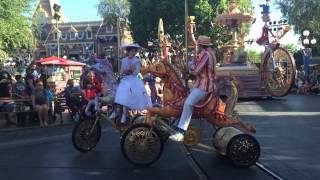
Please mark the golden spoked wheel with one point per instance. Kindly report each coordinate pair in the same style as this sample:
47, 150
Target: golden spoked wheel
141, 145
84, 136
279, 72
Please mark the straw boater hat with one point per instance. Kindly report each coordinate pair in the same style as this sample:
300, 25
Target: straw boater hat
134, 45
204, 40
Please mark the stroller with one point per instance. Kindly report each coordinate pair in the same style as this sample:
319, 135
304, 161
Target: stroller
76, 105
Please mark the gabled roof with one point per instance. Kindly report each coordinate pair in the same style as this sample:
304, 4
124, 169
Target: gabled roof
47, 6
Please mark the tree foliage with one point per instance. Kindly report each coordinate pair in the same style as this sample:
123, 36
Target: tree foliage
255, 56
3, 56
304, 14
15, 26
110, 10
144, 17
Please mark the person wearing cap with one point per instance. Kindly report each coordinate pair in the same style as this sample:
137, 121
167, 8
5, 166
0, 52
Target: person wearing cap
205, 72
131, 92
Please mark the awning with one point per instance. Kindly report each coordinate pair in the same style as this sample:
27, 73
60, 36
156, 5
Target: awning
53, 60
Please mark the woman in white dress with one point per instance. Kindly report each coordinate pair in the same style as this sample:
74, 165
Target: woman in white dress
131, 92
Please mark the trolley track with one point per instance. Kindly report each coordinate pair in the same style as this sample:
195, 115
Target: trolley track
203, 175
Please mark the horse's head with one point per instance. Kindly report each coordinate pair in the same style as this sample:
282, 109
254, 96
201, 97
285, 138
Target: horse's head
158, 69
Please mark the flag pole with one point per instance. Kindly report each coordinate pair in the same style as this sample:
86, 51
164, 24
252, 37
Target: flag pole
186, 31
118, 42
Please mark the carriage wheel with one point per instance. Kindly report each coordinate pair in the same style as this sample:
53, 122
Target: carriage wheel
279, 74
82, 138
141, 145
164, 134
243, 150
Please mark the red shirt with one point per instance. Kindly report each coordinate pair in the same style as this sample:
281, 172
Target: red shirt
90, 94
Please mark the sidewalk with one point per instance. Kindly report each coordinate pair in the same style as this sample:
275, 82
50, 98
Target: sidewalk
29, 125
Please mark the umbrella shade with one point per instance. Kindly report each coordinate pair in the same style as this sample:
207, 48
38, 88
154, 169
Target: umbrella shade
49, 59
64, 63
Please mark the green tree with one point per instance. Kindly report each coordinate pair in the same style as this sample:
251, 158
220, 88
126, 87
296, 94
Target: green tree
144, 16
291, 47
255, 56
15, 26
3, 56
303, 14
110, 10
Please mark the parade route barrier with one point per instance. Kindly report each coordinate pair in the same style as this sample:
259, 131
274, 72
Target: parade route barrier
243, 149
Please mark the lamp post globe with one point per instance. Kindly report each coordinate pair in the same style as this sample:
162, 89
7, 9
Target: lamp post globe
313, 41
306, 42
306, 32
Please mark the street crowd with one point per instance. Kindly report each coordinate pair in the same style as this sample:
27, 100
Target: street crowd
33, 89
307, 84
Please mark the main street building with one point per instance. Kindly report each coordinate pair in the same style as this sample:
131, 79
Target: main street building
78, 40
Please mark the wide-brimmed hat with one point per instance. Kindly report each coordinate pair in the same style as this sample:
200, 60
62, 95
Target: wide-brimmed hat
204, 40
134, 45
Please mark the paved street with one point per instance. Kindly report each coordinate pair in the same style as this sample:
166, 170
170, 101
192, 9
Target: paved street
287, 130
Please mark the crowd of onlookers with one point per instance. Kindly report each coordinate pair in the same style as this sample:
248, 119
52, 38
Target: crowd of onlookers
307, 84
33, 87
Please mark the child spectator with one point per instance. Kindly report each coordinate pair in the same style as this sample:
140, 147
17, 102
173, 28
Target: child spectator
306, 88
92, 87
19, 88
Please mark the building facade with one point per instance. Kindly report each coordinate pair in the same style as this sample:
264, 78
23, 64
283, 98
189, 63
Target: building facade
77, 40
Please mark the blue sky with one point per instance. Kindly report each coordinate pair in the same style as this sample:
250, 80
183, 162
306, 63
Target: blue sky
80, 9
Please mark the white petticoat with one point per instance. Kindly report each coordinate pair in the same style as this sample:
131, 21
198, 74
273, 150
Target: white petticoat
132, 93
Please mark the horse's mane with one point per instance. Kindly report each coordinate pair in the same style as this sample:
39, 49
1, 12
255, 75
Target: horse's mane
177, 73
180, 89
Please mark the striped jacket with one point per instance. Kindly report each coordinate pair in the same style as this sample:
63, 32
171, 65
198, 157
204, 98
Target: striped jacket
205, 71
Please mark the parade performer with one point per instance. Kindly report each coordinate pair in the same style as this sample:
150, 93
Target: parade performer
131, 92
205, 72
104, 68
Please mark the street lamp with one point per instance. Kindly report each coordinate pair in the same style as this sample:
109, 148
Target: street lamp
57, 16
308, 40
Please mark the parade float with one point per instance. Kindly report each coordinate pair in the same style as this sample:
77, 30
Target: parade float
143, 144
273, 76
60, 70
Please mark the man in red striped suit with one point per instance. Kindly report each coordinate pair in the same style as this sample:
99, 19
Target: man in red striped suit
205, 72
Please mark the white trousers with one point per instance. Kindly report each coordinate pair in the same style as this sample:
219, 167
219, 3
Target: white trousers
194, 97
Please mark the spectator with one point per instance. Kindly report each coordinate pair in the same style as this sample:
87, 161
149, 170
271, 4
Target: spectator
316, 88
306, 88
72, 94
89, 95
30, 80
33, 66
19, 88
40, 103
19, 92
50, 94
159, 86
84, 76
44, 76
300, 86
5, 92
